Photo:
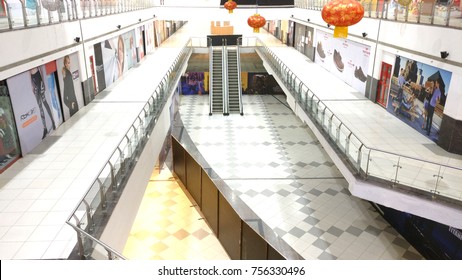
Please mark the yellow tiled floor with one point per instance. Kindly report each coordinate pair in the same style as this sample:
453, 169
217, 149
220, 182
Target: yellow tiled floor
169, 227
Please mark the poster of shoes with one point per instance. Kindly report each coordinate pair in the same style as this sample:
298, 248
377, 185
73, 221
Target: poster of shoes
32, 106
70, 84
346, 59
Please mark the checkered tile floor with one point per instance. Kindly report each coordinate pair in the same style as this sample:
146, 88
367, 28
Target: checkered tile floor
278, 168
168, 227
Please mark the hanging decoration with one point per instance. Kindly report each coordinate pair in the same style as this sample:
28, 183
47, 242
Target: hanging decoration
230, 6
404, 2
256, 21
341, 14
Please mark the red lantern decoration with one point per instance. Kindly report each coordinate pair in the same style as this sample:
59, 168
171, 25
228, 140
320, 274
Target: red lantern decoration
341, 14
256, 21
230, 6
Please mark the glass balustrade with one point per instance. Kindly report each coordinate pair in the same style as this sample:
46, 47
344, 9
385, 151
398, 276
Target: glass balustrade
436, 180
91, 215
435, 12
28, 13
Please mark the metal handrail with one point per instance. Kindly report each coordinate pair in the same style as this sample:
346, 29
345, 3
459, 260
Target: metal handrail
209, 42
271, 56
239, 81
73, 11
224, 71
382, 9
131, 131
108, 248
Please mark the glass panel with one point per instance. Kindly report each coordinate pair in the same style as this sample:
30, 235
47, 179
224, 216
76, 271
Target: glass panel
416, 174
353, 150
327, 119
342, 137
334, 128
449, 183
401, 12
390, 10
364, 161
426, 9
16, 14
382, 165
413, 11
81, 215
455, 14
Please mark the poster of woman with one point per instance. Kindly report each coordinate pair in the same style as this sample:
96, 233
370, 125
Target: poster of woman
70, 84
418, 94
116, 56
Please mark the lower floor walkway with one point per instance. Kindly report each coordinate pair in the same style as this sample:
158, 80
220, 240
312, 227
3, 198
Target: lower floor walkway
275, 165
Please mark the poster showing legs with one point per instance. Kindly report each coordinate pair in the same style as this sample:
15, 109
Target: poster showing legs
31, 99
70, 84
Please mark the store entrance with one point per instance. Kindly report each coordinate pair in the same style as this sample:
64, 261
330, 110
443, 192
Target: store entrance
384, 85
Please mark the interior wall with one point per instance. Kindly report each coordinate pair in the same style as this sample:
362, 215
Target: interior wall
419, 42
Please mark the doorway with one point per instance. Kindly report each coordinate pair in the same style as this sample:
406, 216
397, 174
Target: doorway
384, 85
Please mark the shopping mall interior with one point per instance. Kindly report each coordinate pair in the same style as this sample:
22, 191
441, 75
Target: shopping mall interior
339, 145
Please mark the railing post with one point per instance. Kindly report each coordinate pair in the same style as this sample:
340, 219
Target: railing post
79, 239
89, 217
367, 166
360, 157
24, 13
347, 144
8, 10
395, 181
337, 140
432, 16
102, 194
438, 178
329, 127
38, 10
113, 178
60, 15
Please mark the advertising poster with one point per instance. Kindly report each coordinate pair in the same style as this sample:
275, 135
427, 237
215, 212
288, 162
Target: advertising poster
32, 106
70, 84
149, 37
139, 39
9, 145
156, 34
117, 55
304, 40
418, 93
193, 83
433, 240
347, 60
50, 70
261, 83
99, 67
